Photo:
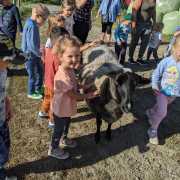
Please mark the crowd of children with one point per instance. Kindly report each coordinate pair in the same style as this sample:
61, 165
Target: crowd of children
53, 67
61, 56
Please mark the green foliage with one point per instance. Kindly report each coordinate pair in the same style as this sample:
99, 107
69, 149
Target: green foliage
25, 12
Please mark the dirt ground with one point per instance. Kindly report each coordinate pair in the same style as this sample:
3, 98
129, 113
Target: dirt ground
128, 156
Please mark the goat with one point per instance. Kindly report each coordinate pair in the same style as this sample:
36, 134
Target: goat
115, 83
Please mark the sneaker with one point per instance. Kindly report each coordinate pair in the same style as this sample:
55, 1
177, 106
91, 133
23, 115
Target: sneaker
34, 96
68, 143
42, 114
131, 61
141, 62
153, 139
148, 116
58, 153
50, 125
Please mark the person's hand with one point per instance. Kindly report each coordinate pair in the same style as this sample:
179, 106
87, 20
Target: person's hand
92, 95
133, 24
8, 109
93, 43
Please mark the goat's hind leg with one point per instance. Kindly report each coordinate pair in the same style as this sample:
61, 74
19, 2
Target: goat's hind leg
108, 132
98, 132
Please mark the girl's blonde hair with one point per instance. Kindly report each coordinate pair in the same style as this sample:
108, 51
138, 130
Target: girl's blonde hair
67, 3
53, 22
63, 42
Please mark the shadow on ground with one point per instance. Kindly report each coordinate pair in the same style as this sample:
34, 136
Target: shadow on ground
123, 138
142, 68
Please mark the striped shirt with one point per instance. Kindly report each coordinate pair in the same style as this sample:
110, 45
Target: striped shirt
83, 14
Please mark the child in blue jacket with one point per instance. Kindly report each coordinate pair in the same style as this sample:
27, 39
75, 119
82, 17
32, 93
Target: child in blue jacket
31, 47
108, 10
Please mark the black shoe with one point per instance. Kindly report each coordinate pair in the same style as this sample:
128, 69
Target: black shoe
131, 61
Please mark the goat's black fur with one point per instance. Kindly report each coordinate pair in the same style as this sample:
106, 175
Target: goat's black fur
116, 88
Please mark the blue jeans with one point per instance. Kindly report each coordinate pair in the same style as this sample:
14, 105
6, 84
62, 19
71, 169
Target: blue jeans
4, 147
35, 72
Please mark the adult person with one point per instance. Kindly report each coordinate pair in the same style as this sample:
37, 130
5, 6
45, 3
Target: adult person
143, 13
108, 10
9, 21
82, 19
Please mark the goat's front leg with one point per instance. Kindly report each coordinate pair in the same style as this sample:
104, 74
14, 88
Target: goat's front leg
98, 124
108, 132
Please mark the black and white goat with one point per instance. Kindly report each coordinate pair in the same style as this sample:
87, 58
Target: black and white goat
115, 83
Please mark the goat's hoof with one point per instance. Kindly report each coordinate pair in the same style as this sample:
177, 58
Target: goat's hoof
97, 138
108, 136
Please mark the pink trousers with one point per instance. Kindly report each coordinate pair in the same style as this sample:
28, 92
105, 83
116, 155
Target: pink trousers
159, 111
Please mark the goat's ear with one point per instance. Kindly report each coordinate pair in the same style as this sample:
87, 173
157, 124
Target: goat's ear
121, 78
114, 74
140, 80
